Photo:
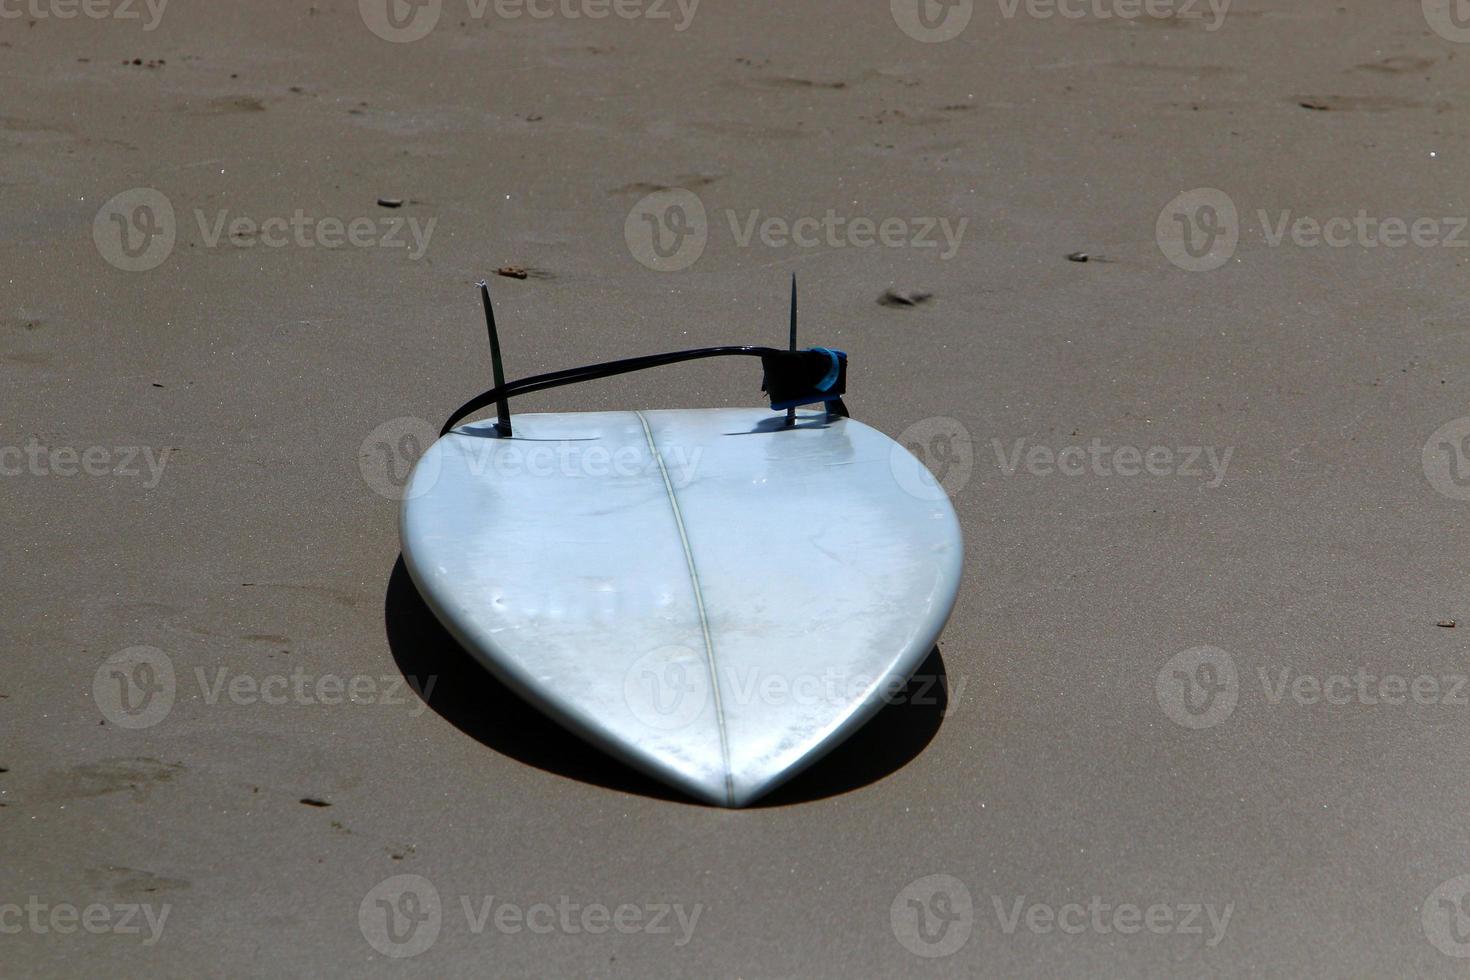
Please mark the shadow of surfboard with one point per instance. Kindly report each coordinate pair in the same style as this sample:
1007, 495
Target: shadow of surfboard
472, 700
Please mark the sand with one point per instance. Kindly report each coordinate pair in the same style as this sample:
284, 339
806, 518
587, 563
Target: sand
1152, 451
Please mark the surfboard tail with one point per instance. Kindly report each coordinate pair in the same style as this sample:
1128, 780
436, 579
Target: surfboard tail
791, 377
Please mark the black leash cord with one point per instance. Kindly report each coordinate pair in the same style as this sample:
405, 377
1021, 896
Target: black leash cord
591, 372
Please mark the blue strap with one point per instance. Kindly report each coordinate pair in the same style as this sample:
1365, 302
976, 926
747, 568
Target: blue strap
835, 370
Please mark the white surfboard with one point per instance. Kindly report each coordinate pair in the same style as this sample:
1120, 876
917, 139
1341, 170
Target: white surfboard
712, 596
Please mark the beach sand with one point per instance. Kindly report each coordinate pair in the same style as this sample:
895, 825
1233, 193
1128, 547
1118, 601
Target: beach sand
1233, 446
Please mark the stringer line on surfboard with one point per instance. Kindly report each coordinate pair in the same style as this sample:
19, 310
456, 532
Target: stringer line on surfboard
709, 642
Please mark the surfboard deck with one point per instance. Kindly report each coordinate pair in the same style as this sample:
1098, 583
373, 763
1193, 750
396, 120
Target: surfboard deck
710, 595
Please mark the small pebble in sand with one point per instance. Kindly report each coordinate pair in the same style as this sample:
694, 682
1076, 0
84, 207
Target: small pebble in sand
1078, 257
512, 271
391, 202
904, 297
1448, 624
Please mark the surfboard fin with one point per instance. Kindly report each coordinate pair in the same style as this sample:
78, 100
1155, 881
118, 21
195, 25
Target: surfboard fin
791, 377
502, 404
791, 412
